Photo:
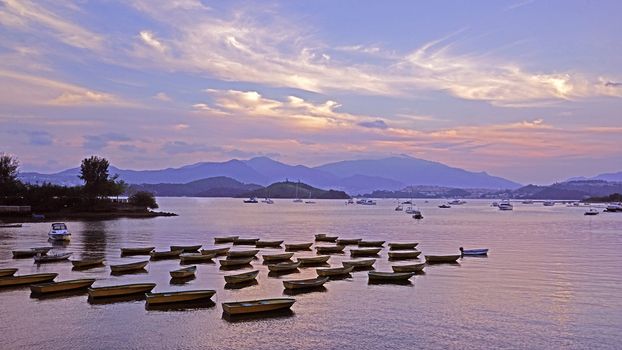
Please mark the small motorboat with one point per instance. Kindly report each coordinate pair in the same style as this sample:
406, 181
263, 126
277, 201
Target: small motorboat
242, 253
334, 271
186, 248
505, 205
417, 215
29, 253
137, 250
268, 244
444, 206
365, 251
348, 241
245, 241
306, 283
313, 260
166, 254
121, 268
591, 212
27, 279
330, 249
408, 268
85, 263
7, 272
277, 257
251, 200
403, 246
235, 262
298, 246
179, 297
183, 273
473, 252
191, 258
242, 277
284, 266
215, 251
394, 255
371, 243
39, 258
441, 259
59, 232
389, 276
225, 239
359, 263
121, 290
256, 306
62, 286
322, 237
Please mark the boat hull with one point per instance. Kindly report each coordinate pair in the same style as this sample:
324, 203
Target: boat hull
63, 286
229, 239
335, 271
283, 267
179, 297
365, 251
39, 259
235, 262
183, 273
195, 258
298, 246
268, 244
371, 243
174, 254
306, 283
313, 260
404, 255
137, 251
325, 238
242, 277
277, 257
129, 267
474, 252
403, 246
87, 263
215, 251
27, 279
328, 250
257, 306
352, 241
390, 276
359, 263
186, 248
441, 259
245, 241
408, 268
121, 290
242, 253
7, 272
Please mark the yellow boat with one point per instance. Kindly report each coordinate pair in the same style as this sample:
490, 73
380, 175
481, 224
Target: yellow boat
371, 243
137, 250
334, 271
215, 251
284, 266
27, 279
306, 283
121, 290
359, 263
408, 268
365, 251
389, 276
179, 297
242, 253
7, 272
242, 277
184, 273
268, 244
195, 258
187, 248
348, 241
62, 286
84, 263
170, 254
403, 246
129, 267
298, 246
245, 241
441, 259
256, 306
277, 257
404, 255
235, 262
322, 237
313, 260
226, 239
330, 249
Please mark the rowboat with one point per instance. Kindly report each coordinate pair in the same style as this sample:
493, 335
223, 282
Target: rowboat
121, 290
268, 244
225, 239
51, 258
215, 251
129, 267
7, 272
408, 268
440, 259
63, 286
298, 246
322, 237
29, 253
284, 266
167, 254
186, 248
371, 243
87, 262
473, 252
405, 255
242, 253
235, 262
348, 241
183, 273
27, 279
334, 271
179, 297
277, 257
402, 246
245, 241
190, 258
365, 251
255, 306
137, 250
389, 276
359, 263
307, 283
329, 249
313, 260
242, 277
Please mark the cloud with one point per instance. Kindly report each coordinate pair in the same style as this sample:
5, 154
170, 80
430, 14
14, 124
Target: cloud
180, 147
148, 38
162, 97
39, 138
98, 142
376, 124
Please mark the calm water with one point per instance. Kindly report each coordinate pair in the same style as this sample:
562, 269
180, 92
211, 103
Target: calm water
553, 279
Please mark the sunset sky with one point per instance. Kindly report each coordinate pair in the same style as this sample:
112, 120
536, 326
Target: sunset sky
527, 90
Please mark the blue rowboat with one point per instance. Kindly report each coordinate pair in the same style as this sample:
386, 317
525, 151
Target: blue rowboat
471, 252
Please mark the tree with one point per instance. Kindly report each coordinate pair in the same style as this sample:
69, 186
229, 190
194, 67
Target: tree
94, 172
143, 199
9, 165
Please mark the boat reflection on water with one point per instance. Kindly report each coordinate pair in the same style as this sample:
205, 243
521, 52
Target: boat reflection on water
133, 272
59, 295
258, 316
241, 284
320, 289
395, 282
278, 274
183, 280
340, 277
236, 267
313, 266
114, 300
206, 304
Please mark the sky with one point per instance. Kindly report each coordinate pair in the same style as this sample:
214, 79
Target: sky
527, 90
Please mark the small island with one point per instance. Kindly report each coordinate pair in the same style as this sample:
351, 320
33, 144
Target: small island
97, 199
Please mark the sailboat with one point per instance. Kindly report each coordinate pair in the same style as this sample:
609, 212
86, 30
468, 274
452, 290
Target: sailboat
297, 200
267, 200
309, 201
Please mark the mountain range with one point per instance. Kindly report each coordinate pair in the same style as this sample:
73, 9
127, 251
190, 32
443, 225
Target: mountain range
611, 177
353, 176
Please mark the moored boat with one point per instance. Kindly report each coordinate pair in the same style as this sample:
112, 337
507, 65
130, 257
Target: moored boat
359, 263
322, 237
403, 246
84, 263
7, 272
591, 212
371, 243
137, 250
334, 271
348, 241
365, 251
121, 290
27, 279
389, 276
166, 254
473, 252
284, 266
39, 258
187, 248
440, 259
59, 232
183, 273
277, 257
225, 239
245, 241
139, 265
241, 277
29, 253
179, 296
242, 253
268, 244
10, 225
408, 268
444, 206
62, 286
330, 249
404, 254
235, 262
313, 260
190, 258
306, 283
298, 246
256, 306
215, 251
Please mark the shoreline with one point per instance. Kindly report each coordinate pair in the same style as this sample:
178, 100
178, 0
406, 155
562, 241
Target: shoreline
58, 216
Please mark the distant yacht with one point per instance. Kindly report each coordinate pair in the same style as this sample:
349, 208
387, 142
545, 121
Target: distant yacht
457, 202
592, 211
506, 205
444, 206
59, 232
548, 203
366, 201
297, 200
614, 207
309, 201
251, 200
